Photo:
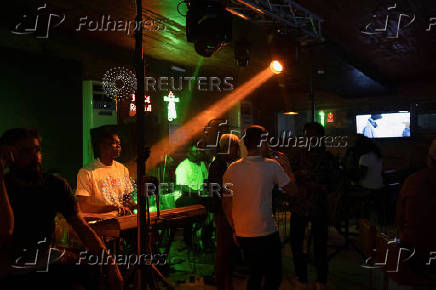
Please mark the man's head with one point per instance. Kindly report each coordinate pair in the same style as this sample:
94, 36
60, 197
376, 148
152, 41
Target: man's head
194, 155
431, 157
229, 147
313, 129
253, 140
107, 144
26, 150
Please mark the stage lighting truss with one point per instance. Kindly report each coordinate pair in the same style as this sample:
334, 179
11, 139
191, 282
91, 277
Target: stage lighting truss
287, 12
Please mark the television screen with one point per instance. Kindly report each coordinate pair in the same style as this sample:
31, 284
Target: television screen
385, 125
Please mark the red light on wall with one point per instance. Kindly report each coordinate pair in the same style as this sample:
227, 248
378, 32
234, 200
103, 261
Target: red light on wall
147, 106
330, 118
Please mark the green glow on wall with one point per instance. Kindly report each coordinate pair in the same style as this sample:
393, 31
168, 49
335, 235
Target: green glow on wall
172, 100
195, 75
321, 118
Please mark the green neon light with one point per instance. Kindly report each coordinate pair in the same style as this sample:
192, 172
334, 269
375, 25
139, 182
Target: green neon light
172, 100
322, 118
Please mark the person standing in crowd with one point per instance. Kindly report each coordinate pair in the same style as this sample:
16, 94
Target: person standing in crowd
317, 173
370, 129
416, 216
104, 185
248, 207
228, 152
35, 199
370, 164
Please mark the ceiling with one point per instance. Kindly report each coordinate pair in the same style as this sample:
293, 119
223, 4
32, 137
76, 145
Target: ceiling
354, 64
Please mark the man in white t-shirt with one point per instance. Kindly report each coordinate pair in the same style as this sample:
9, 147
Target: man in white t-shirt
371, 166
248, 207
104, 185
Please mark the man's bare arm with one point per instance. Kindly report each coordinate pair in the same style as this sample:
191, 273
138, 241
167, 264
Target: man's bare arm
6, 213
95, 245
227, 208
86, 206
290, 189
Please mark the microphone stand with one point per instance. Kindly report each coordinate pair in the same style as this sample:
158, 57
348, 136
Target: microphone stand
146, 276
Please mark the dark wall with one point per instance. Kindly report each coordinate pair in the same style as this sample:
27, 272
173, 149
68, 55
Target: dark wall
45, 93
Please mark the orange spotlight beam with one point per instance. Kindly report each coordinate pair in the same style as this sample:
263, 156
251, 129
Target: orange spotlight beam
194, 126
234, 12
251, 6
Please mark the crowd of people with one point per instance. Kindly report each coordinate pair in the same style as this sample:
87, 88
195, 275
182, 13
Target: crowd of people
242, 208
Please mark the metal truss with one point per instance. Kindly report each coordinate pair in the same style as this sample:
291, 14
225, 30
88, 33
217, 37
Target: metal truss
287, 12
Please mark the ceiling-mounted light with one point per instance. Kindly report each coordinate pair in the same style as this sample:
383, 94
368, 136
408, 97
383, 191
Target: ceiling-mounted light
177, 68
208, 26
276, 67
242, 52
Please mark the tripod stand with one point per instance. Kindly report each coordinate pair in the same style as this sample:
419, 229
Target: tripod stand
146, 276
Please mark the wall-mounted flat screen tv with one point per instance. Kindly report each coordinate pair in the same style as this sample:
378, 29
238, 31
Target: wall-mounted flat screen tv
384, 125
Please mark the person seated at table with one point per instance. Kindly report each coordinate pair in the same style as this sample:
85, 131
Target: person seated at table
191, 174
416, 216
35, 199
104, 185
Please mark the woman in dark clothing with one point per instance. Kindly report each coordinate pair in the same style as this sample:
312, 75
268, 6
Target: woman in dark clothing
317, 174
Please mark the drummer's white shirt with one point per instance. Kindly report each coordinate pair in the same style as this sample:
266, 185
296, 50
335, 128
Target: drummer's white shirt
106, 185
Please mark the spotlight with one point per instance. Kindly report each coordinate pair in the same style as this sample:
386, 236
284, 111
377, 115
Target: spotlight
276, 67
208, 26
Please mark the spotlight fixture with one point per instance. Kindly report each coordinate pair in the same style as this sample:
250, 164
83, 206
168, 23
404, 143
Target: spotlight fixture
208, 26
276, 67
242, 52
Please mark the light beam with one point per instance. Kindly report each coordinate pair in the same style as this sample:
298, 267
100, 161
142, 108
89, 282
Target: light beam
194, 126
